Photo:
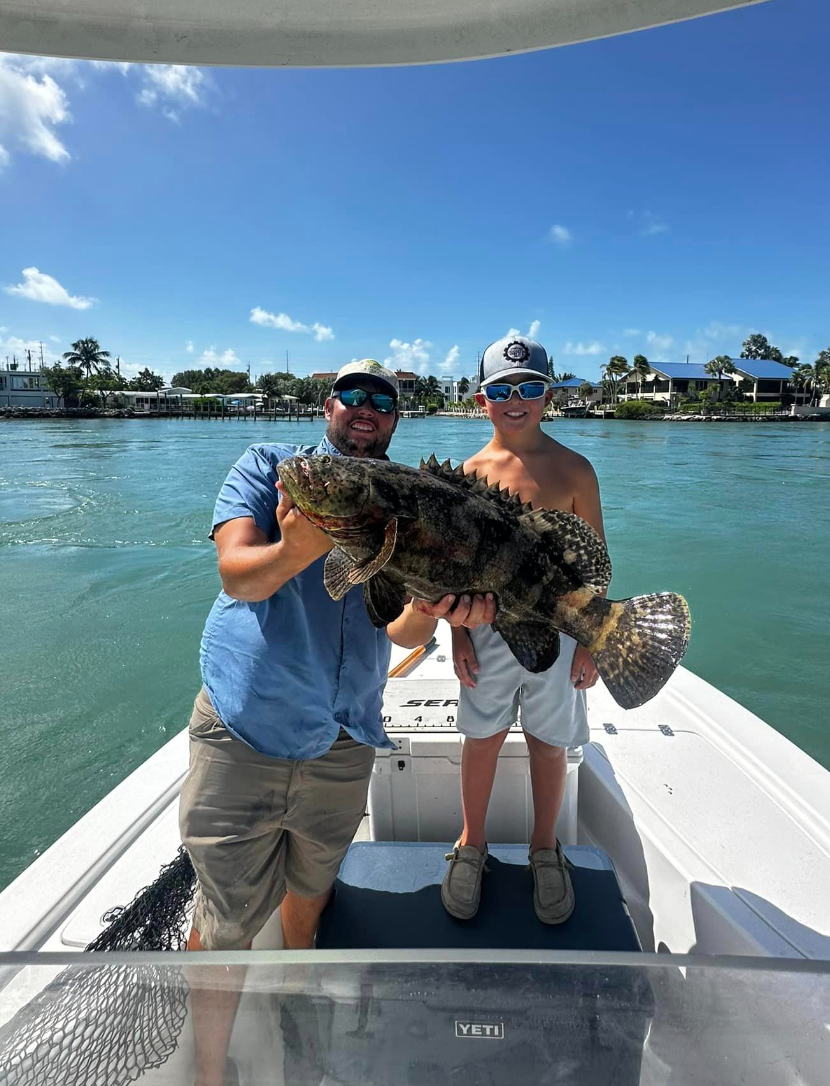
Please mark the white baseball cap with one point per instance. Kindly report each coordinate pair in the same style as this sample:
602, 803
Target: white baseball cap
366, 367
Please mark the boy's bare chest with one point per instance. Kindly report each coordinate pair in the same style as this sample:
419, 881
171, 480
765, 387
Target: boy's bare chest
544, 488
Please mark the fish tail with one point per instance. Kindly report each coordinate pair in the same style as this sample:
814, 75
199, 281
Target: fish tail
639, 644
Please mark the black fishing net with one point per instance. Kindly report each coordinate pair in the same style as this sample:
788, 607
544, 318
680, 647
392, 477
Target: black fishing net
102, 1024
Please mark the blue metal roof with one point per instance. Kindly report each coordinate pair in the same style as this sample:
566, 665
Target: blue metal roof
575, 382
694, 371
763, 368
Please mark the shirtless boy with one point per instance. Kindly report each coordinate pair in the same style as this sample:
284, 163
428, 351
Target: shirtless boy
521, 457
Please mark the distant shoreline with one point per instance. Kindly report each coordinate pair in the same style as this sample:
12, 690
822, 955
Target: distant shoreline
11, 414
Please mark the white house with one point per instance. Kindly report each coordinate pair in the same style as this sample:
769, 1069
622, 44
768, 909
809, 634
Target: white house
668, 380
25, 388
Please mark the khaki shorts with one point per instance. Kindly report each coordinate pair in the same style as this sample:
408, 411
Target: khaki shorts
256, 826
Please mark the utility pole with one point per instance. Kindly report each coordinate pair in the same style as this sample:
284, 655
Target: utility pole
286, 361
118, 365
29, 359
41, 353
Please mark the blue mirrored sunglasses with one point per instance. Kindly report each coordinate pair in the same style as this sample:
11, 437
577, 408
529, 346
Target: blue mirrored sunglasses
382, 402
528, 390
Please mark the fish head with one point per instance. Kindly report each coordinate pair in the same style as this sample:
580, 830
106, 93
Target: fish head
344, 495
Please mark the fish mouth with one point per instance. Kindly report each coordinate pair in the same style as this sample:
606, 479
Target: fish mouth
319, 495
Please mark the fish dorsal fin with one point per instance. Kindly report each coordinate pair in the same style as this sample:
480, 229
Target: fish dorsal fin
581, 547
474, 483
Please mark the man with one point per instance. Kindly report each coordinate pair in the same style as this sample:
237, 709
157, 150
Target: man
284, 730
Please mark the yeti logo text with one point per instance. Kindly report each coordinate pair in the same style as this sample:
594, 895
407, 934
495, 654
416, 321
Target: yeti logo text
479, 1030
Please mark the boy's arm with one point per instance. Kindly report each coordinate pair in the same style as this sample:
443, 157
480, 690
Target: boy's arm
586, 500
587, 504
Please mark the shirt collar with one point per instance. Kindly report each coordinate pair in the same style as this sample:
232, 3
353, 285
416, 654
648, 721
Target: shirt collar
326, 447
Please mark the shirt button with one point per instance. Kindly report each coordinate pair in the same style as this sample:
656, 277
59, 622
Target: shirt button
338, 716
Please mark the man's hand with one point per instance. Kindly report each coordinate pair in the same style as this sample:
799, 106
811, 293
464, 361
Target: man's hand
464, 657
584, 672
300, 541
467, 610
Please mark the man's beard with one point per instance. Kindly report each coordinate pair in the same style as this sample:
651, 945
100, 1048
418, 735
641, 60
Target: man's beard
340, 437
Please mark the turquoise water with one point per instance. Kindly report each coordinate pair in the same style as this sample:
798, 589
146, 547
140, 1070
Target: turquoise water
106, 576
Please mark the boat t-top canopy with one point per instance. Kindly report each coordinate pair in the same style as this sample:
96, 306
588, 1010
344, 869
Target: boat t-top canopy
324, 33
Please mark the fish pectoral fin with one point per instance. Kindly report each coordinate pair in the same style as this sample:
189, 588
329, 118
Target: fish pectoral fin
360, 574
336, 573
581, 547
384, 599
535, 646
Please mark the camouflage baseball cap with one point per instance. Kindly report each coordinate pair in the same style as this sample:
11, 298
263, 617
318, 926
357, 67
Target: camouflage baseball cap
366, 367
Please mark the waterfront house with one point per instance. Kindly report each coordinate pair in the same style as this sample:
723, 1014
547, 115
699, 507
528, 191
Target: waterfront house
770, 380
668, 381
572, 386
25, 388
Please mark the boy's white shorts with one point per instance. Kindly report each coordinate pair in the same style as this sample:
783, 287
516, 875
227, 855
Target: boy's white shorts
550, 708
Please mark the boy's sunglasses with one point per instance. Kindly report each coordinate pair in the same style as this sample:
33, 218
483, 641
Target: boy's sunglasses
381, 402
528, 390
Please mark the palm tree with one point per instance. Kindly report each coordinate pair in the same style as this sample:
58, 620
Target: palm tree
87, 355
616, 367
566, 375
463, 387
642, 369
802, 378
720, 365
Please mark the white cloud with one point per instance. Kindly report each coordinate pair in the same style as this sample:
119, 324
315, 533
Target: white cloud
55, 339
531, 333
716, 330
227, 358
409, 356
632, 332
33, 101
189, 347
173, 87
659, 344
560, 235
40, 287
14, 345
453, 355
321, 332
30, 108
653, 224
591, 348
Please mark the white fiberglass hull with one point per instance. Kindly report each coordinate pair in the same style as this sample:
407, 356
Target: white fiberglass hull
718, 826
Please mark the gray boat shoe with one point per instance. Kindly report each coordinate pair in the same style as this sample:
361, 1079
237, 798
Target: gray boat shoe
461, 888
553, 892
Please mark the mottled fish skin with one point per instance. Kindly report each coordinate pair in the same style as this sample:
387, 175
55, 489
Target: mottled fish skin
454, 534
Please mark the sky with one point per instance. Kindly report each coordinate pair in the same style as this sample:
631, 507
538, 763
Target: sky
665, 193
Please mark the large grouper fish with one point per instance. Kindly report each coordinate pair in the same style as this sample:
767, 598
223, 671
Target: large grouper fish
429, 531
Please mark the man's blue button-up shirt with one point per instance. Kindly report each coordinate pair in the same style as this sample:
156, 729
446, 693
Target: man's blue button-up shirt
285, 674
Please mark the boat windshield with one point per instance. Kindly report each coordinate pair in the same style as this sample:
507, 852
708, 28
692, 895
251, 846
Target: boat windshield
428, 1018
